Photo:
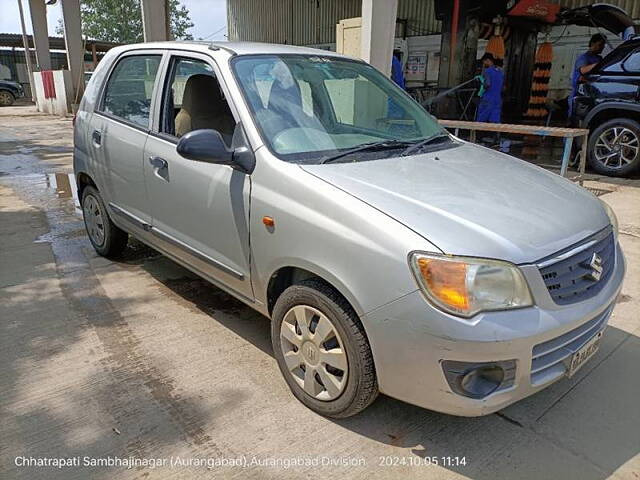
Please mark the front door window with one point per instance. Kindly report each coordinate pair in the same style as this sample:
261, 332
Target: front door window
194, 100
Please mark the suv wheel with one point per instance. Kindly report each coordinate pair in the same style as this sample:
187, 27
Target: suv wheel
6, 98
614, 147
106, 238
322, 350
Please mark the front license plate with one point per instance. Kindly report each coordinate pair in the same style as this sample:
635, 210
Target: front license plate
585, 353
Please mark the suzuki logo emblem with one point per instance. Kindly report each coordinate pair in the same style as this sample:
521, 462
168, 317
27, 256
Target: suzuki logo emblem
596, 268
311, 353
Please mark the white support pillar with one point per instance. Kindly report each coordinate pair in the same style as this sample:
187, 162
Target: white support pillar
155, 20
73, 42
378, 32
27, 51
38, 11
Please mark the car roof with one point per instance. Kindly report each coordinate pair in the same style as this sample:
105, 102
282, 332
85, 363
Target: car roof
234, 48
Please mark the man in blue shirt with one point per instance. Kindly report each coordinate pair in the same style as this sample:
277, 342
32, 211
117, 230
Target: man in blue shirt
490, 105
584, 64
397, 75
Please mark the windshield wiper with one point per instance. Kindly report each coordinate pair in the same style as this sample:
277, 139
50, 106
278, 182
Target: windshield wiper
432, 139
367, 146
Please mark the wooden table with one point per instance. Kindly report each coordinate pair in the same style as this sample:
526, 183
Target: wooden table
567, 133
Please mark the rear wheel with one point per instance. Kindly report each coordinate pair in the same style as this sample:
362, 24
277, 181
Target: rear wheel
322, 350
106, 238
614, 147
6, 98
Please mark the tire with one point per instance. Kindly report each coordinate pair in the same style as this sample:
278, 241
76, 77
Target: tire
359, 386
107, 239
6, 98
614, 147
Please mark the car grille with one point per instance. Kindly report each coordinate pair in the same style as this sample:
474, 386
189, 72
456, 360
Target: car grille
548, 357
568, 277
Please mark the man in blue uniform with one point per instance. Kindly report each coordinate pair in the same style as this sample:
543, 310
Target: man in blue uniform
584, 64
490, 104
397, 75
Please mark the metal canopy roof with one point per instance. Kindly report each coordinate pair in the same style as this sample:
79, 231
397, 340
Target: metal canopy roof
55, 43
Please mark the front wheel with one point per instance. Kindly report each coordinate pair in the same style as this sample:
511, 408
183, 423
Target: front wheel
322, 350
6, 98
614, 147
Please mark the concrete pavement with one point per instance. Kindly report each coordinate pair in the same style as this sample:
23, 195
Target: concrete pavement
141, 359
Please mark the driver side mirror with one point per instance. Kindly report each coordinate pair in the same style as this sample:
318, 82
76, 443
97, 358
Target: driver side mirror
207, 145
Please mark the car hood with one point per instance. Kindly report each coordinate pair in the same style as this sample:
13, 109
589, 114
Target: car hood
470, 200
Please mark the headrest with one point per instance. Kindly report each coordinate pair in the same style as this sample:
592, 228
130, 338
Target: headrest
200, 92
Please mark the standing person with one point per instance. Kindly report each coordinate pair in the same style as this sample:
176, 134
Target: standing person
584, 64
397, 75
490, 104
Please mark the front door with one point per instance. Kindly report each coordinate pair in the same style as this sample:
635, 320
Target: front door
200, 211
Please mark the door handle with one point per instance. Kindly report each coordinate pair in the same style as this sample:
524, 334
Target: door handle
160, 168
158, 162
96, 136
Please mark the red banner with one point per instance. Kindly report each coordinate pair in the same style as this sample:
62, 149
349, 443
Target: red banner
48, 84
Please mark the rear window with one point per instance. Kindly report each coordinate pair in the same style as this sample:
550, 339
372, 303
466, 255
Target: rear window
130, 88
614, 60
632, 62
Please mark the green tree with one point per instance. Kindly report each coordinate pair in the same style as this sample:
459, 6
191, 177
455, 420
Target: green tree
120, 21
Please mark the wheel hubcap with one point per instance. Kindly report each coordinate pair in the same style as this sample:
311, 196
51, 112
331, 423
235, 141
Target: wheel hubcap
313, 352
93, 219
5, 99
616, 147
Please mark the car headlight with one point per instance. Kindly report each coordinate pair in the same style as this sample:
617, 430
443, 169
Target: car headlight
612, 218
464, 286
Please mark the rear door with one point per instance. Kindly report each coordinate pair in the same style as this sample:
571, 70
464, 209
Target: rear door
200, 211
118, 131
631, 68
617, 78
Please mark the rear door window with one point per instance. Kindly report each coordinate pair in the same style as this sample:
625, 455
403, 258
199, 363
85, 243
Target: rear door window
129, 89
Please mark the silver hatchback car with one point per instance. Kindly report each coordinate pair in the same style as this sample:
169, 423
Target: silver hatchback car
389, 255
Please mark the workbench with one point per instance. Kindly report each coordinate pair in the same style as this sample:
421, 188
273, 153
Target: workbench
567, 133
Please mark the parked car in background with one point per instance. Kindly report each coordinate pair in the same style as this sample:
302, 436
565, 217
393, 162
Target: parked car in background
389, 255
608, 104
608, 99
9, 92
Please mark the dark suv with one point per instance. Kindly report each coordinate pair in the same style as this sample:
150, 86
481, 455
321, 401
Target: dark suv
9, 92
608, 104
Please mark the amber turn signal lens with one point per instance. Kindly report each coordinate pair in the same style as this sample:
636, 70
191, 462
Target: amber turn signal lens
446, 281
268, 221
465, 286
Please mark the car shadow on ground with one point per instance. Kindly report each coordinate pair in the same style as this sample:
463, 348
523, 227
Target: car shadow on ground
61, 399
580, 428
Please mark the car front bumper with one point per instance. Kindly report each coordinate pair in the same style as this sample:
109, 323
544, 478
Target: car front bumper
410, 339
17, 91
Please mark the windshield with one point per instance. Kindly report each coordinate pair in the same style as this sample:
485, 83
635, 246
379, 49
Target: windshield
309, 107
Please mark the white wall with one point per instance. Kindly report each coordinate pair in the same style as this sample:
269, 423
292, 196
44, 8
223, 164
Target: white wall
61, 105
